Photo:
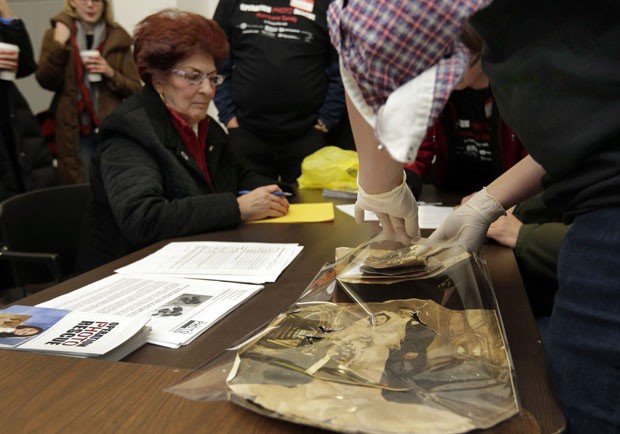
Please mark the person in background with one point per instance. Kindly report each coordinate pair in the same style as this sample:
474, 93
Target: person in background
535, 233
25, 161
24, 158
164, 168
283, 92
79, 103
554, 77
470, 144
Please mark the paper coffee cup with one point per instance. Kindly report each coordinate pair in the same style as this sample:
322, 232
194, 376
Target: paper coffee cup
85, 54
8, 74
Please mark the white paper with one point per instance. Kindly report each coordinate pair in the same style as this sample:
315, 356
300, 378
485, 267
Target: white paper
236, 262
73, 333
429, 216
179, 309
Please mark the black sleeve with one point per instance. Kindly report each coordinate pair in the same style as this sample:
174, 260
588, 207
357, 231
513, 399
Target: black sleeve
15, 33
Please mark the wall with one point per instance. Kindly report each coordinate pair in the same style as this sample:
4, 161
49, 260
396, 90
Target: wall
36, 15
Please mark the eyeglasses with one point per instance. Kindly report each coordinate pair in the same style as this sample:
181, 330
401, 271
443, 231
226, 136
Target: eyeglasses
197, 78
94, 2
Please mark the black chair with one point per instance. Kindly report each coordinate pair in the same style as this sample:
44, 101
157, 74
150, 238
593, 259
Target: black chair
40, 232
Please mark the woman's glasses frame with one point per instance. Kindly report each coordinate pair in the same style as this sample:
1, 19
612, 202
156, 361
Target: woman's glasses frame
197, 78
94, 2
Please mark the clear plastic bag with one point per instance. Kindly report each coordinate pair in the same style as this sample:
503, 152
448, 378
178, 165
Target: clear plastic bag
330, 168
386, 339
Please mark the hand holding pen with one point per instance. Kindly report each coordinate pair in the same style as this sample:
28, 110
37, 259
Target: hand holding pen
266, 201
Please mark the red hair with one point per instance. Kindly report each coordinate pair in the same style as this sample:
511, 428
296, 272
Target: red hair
165, 38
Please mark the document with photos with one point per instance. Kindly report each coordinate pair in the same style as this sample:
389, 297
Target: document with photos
179, 309
229, 261
71, 333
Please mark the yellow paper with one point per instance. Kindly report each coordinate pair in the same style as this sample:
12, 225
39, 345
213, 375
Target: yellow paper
304, 213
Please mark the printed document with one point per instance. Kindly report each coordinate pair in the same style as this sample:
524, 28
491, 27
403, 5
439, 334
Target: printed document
235, 262
178, 309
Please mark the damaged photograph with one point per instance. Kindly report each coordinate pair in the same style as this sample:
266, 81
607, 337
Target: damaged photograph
387, 339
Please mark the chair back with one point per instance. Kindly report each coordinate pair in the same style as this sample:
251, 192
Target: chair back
47, 221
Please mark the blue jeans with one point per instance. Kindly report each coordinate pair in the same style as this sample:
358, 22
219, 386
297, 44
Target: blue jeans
583, 335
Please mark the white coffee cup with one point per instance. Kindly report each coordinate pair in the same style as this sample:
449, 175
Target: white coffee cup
8, 74
85, 54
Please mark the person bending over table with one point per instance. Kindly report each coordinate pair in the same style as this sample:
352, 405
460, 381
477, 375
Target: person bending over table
164, 168
554, 80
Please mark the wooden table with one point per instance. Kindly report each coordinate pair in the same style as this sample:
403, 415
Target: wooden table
57, 394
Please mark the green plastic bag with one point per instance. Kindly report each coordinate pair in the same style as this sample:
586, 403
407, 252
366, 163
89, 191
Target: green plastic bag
330, 167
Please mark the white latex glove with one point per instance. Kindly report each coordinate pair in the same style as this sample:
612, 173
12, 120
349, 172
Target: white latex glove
468, 224
396, 209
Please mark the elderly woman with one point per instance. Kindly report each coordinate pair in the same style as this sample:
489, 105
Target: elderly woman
164, 168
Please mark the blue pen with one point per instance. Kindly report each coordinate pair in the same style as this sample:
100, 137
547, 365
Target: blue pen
276, 193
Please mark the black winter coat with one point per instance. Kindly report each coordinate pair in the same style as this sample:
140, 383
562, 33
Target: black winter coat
147, 187
25, 160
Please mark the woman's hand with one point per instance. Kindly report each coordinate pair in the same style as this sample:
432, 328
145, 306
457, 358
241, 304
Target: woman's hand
261, 202
98, 65
9, 59
233, 123
468, 224
505, 230
397, 211
62, 33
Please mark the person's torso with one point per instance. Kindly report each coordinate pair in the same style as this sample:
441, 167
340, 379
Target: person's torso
280, 50
472, 152
554, 72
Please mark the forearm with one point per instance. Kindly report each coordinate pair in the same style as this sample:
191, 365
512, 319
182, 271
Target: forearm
334, 105
50, 72
5, 10
520, 182
378, 172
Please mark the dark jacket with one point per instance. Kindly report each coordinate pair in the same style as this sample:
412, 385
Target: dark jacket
25, 161
469, 116
57, 72
556, 84
147, 187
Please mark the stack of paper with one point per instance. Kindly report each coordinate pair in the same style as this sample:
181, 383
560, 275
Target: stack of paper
178, 309
71, 333
183, 288
234, 262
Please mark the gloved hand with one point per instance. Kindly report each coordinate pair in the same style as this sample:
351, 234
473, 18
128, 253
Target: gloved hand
468, 224
396, 209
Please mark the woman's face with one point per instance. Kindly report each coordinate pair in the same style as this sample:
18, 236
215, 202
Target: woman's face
26, 331
89, 11
474, 78
189, 99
